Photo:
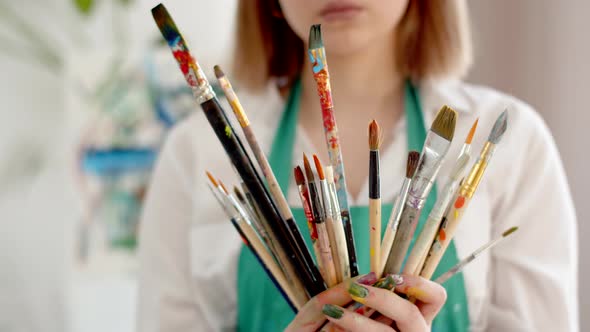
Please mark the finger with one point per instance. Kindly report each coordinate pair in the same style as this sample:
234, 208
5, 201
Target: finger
407, 316
310, 317
430, 295
384, 320
351, 321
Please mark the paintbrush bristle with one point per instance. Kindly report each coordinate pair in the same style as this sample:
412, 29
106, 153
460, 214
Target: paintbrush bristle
499, 128
223, 187
459, 167
218, 72
412, 165
165, 23
315, 37
318, 167
308, 171
444, 123
374, 135
509, 231
329, 170
212, 179
239, 195
299, 178
471, 132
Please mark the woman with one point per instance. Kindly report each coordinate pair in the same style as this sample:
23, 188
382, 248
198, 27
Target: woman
394, 61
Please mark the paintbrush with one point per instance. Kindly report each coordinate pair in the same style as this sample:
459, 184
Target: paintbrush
244, 122
299, 256
459, 266
318, 233
374, 197
396, 212
334, 226
317, 56
424, 240
248, 235
461, 201
338, 226
433, 153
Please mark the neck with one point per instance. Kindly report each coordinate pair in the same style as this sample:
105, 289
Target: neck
368, 73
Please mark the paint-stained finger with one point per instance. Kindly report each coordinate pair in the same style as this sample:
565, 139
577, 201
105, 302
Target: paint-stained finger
430, 295
351, 321
310, 317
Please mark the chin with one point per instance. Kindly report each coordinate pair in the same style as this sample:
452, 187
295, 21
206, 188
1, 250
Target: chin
341, 41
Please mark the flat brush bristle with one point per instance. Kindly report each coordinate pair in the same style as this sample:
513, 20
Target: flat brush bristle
223, 187
218, 72
471, 132
315, 37
374, 135
308, 171
499, 128
299, 178
212, 179
165, 23
413, 158
509, 231
444, 123
329, 174
318, 167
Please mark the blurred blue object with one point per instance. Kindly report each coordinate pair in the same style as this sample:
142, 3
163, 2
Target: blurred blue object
118, 161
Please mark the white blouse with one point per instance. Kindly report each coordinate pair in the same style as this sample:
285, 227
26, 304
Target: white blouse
189, 250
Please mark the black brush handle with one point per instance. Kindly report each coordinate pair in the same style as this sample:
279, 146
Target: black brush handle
374, 181
354, 268
242, 163
270, 275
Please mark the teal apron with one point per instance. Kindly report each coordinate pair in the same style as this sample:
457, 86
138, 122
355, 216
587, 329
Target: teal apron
260, 305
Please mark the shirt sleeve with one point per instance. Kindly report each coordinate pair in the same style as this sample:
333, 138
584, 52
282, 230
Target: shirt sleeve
166, 301
534, 273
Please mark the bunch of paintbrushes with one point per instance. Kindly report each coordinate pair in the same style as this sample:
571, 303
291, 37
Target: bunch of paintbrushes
263, 218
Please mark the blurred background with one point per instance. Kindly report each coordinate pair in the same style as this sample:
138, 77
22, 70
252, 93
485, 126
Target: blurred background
88, 93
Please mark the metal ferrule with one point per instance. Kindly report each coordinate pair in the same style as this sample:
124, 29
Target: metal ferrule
227, 208
399, 203
474, 177
326, 198
333, 199
433, 153
239, 210
203, 92
466, 149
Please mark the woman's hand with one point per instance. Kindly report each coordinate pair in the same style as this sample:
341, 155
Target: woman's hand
408, 317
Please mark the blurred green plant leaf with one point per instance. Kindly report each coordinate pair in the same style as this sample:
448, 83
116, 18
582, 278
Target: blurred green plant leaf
84, 6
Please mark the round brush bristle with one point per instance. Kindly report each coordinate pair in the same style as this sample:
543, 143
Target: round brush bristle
308, 171
412, 165
318, 167
218, 72
509, 231
299, 178
374, 135
212, 179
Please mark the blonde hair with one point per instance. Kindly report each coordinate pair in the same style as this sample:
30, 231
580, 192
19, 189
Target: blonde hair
433, 41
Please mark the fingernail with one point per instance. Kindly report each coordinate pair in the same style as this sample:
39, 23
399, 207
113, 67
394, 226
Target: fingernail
397, 279
367, 279
358, 291
333, 311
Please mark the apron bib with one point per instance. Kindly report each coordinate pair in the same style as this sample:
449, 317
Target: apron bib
260, 305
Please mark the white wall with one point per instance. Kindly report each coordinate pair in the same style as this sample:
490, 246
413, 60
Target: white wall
539, 50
